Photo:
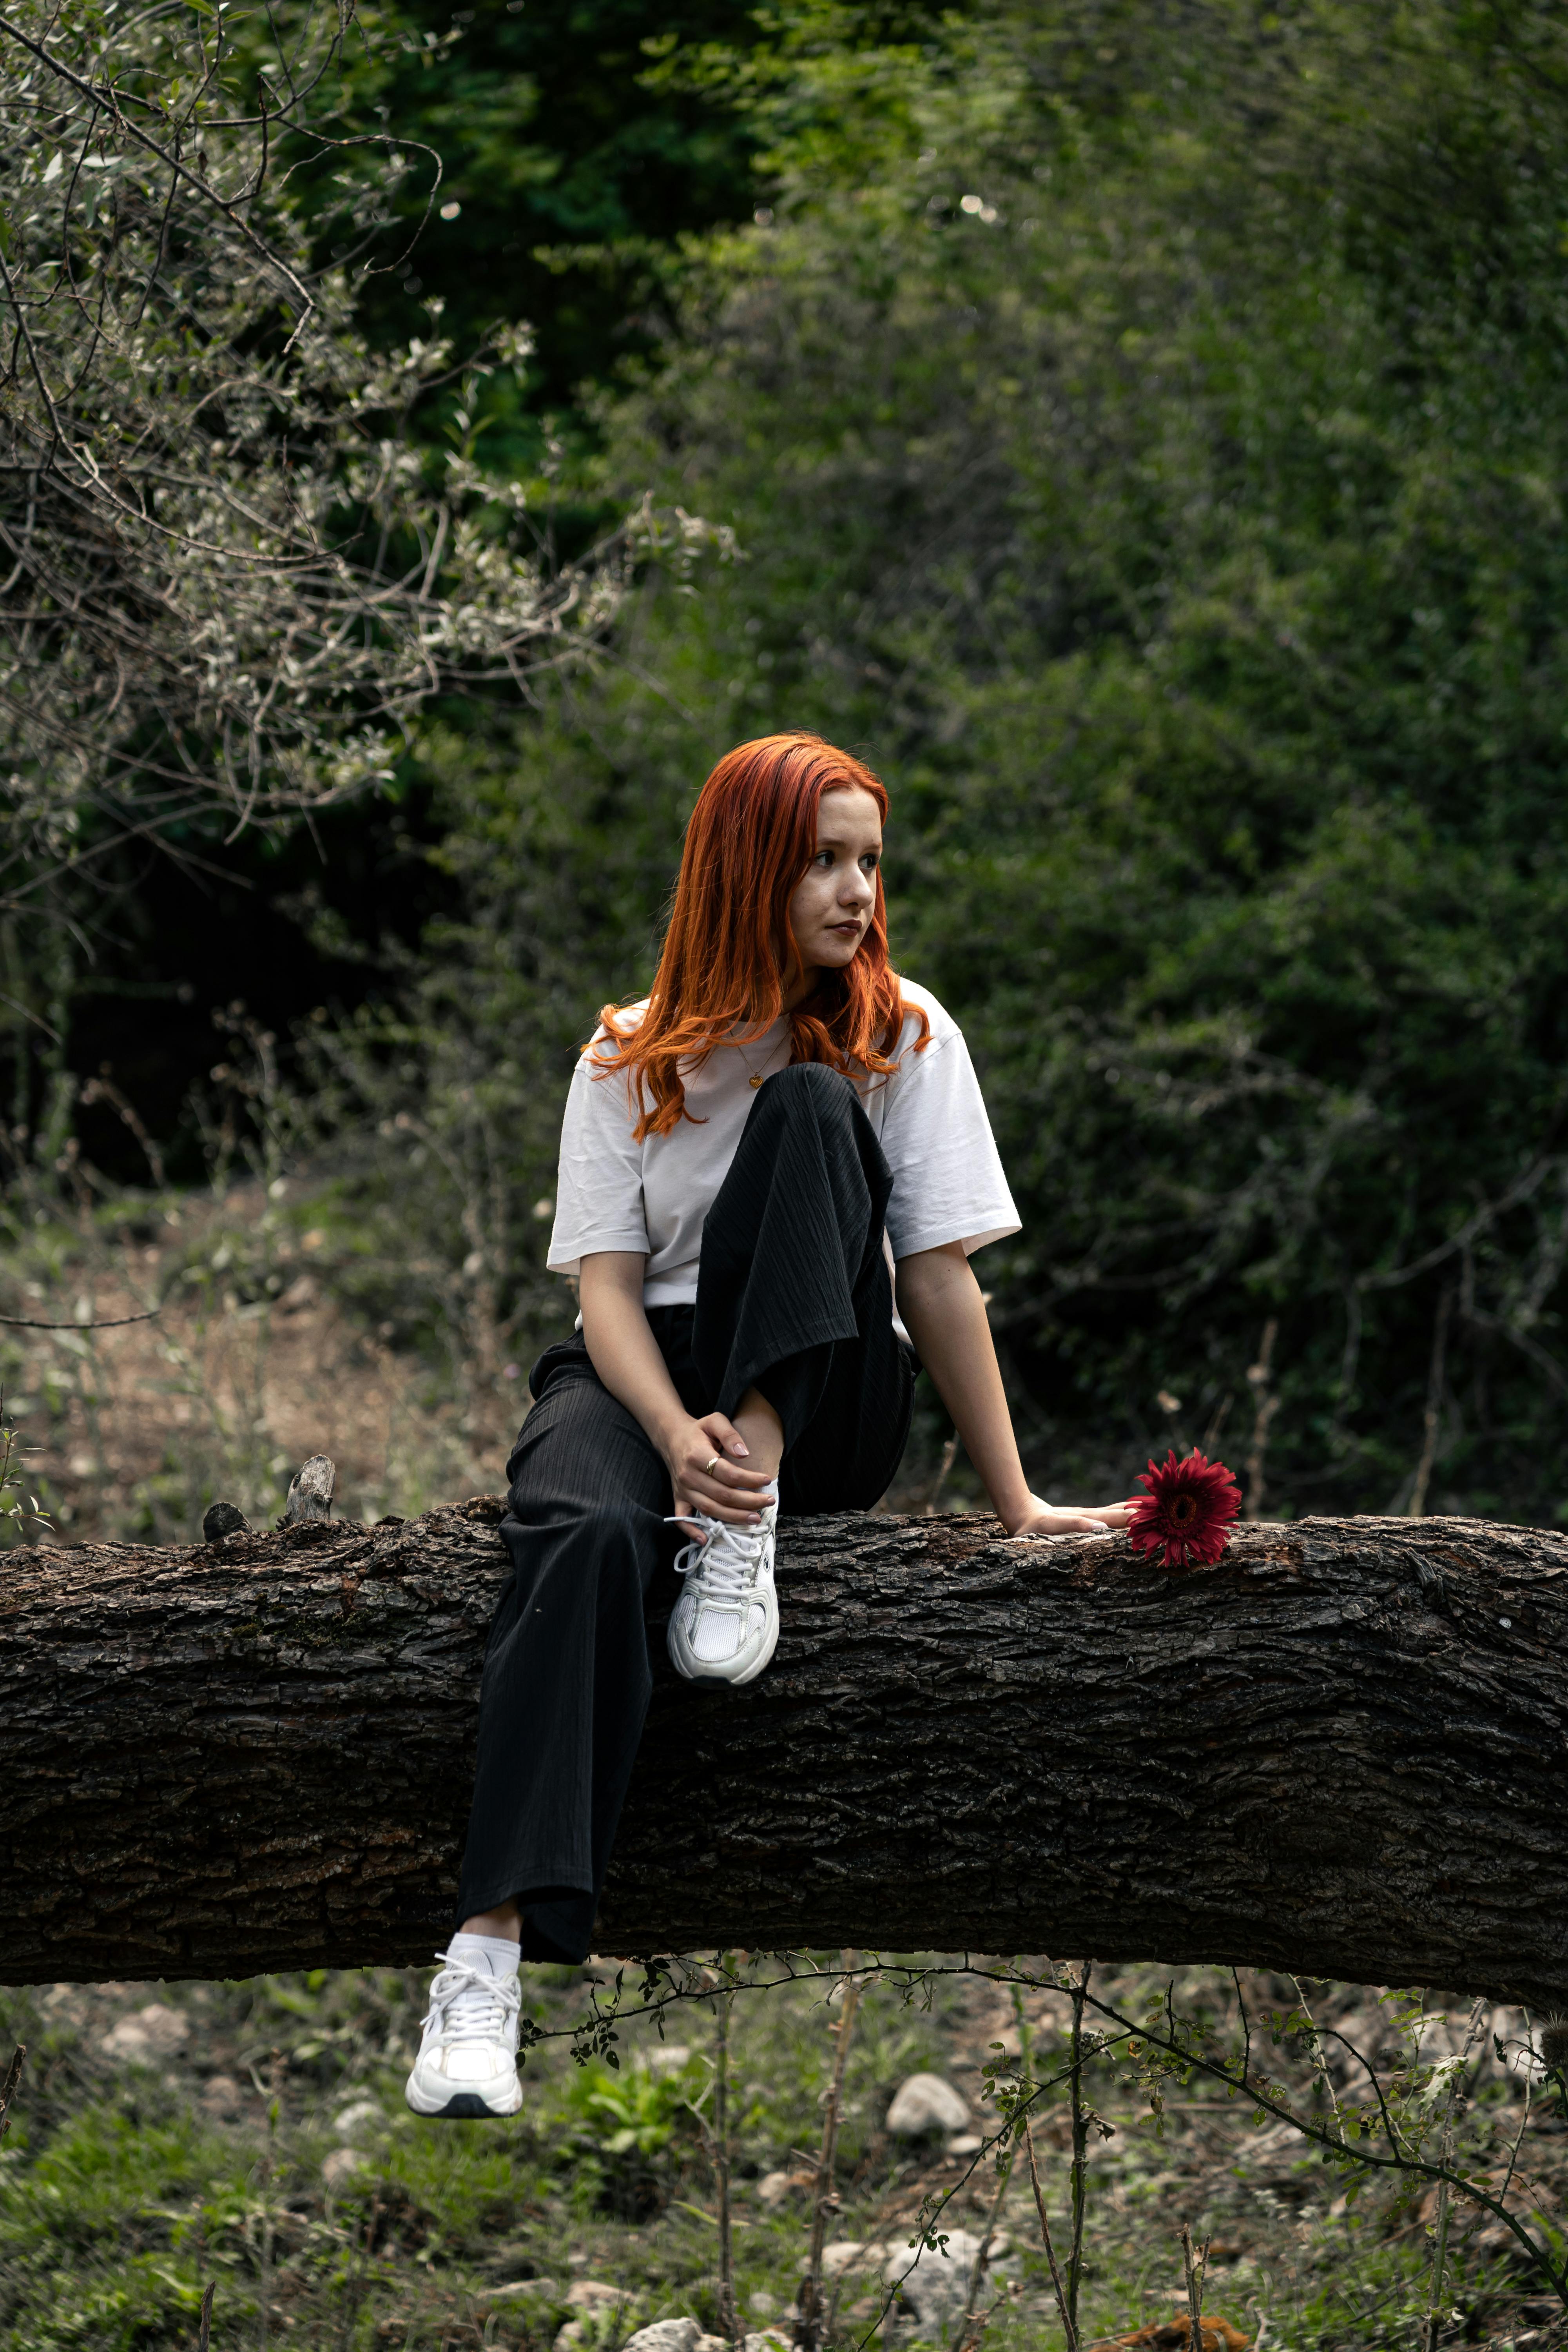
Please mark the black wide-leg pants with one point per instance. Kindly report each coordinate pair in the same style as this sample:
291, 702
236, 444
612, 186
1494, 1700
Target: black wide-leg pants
793, 1299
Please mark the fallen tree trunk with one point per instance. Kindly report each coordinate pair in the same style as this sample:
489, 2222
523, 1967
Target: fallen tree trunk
1341, 1752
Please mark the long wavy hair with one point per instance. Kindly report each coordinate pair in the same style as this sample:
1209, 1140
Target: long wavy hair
729, 951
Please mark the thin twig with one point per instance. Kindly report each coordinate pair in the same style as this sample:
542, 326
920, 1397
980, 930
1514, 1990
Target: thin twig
1068, 2318
1315, 2041
1004, 2181
962, 2338
1432, 1418
1265, 1406
8, 2089
113, 1323
728, 2322
1195, 2262
1079, 2143
1440, 2232
1524, 2117
808, 2303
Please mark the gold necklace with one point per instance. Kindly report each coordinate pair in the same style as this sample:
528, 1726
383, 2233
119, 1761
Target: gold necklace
756, 1075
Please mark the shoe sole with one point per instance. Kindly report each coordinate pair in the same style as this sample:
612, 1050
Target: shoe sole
464, 2107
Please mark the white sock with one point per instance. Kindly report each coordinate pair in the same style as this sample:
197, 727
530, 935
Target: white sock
497, 1955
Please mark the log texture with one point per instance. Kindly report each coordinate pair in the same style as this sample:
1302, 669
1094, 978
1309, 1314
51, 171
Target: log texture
1342, 1752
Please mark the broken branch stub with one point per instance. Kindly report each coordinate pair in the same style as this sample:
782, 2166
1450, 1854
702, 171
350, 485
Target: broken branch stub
311, 1492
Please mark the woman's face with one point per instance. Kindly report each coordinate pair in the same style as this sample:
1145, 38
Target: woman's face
832, 904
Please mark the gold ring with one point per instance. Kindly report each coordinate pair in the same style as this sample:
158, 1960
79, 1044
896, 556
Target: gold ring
709, 1467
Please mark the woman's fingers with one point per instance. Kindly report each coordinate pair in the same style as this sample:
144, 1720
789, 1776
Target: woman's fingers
710, 1457
727, 1438
736, 1506
707, 1476
732, 1509
1045, 1520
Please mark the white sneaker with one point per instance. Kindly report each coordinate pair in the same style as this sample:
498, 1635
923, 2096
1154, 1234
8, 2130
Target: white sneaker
725, 1626
468, 2061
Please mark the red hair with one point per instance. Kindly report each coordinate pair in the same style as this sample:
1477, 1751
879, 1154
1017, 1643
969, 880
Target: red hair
729, 951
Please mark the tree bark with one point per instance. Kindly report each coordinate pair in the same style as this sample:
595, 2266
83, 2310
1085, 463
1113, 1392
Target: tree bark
1340, 1752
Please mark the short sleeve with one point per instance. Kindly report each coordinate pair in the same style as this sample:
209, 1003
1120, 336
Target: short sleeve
599, 1193
947, 1180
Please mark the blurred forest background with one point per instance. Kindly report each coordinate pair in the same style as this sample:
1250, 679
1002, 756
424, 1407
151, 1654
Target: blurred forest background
433, 435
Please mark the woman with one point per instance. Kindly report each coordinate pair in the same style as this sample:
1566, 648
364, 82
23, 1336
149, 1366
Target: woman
742, 1157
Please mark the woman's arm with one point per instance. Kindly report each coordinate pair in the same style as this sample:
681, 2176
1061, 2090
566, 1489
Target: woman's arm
944, 1315
625, 1355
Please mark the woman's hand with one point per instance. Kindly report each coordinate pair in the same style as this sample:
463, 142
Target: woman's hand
945, 1316
705, 1459
1039, 1518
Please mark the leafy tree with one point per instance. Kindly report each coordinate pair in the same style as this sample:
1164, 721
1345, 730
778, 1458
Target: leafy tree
566, 181
245, 549
1146, 441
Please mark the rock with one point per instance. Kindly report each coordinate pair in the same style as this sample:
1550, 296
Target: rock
224, 1519
775, 2189
221, 2096
595, 2294
675, 2335
965, 2144
761, 2304
768, 2339
843, 2255
340, 2168
155, 2032
359, 2120
667, 2057
665, 2335
937, 2287
927, 2104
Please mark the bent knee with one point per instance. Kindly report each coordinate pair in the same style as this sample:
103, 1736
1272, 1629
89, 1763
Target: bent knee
584, 1534
809, 1083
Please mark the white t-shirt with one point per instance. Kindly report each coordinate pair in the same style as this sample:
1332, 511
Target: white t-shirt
653, 1197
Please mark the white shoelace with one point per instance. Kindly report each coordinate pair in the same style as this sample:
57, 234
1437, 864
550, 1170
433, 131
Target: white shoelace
726, 1566
478, 2007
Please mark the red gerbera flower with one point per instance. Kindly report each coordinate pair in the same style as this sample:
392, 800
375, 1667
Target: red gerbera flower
1188, 1508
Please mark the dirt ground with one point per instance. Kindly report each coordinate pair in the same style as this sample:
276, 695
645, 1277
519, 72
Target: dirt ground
249, 1366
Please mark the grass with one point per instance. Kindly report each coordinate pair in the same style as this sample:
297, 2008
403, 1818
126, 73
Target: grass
254, 2135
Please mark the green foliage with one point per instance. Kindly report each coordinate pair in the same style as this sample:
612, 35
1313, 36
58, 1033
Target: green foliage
572, 178
1146, 446
264, 2147
620, 2126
